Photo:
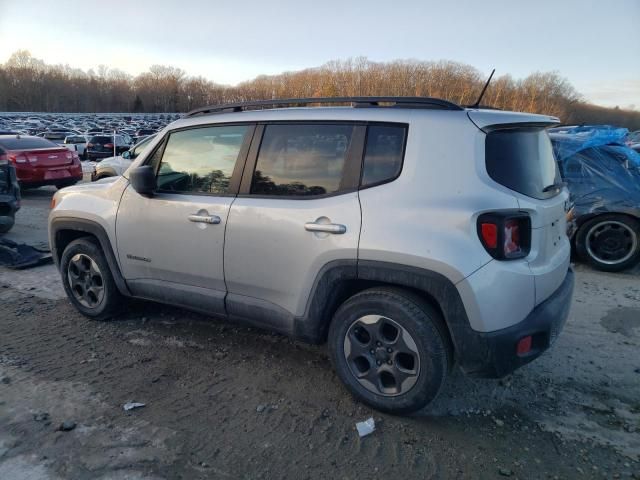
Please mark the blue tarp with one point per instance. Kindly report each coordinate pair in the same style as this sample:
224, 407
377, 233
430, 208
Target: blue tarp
576, 139
602, 173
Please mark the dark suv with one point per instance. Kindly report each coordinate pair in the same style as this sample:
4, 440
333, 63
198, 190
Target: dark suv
9, 193
102, 146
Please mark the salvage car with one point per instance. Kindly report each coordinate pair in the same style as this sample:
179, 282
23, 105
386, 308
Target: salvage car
80, 143
39, 161
113, 166
103, 146
411, 234
603, 176
9, 193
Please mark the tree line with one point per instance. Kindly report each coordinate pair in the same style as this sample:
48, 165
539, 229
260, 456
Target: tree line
29, 84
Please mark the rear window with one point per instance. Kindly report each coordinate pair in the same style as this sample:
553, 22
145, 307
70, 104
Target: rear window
101, 140
26, 143
522, 160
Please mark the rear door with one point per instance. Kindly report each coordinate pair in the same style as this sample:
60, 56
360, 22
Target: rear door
297, 210
170, 245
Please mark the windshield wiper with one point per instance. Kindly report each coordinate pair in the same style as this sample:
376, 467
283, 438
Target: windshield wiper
548, 188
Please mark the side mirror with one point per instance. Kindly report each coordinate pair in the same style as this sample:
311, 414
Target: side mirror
143, 180
126, 154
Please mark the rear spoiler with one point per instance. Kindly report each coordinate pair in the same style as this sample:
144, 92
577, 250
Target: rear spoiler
488, 120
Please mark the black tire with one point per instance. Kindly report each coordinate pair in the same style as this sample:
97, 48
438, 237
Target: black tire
111, 301
414, 316
609, 242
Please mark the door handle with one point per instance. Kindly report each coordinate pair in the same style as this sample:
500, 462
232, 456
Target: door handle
210, 219
334, 228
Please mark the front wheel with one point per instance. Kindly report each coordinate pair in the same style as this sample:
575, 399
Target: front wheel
88, 281
609, 242
390, 349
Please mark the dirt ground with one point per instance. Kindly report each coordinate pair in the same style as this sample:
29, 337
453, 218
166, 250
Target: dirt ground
224, 401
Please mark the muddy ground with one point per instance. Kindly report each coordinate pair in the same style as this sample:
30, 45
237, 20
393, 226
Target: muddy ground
224, 401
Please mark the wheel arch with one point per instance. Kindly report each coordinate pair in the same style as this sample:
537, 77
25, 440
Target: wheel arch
63, 231
339, 280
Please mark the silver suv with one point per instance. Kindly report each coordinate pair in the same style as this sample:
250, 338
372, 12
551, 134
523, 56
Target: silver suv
411, 234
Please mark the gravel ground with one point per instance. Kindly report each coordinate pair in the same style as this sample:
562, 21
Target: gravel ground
224, 401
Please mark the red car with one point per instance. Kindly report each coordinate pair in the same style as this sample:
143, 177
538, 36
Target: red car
39, 161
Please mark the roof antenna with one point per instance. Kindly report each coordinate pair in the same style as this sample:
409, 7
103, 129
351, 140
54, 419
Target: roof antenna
477, 104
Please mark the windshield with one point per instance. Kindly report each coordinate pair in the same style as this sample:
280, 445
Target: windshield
522, 160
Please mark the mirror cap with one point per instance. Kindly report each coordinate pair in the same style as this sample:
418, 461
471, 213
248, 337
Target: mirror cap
143, 180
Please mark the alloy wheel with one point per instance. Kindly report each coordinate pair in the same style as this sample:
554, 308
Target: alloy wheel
85, 280
382, 355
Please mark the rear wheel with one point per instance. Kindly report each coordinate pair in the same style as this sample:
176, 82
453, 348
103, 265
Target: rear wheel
389, 348
609, 242
88, 281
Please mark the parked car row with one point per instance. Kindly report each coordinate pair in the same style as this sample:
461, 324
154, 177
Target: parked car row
82, 132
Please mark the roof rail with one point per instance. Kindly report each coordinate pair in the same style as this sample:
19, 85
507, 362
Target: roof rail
357, 102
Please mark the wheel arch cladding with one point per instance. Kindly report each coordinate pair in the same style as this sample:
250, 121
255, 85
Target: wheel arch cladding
66, 230
339, 280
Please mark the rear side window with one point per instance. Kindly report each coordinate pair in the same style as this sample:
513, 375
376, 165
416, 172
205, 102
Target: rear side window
201, 160
522, 160
301, 160
26, 143
383, 154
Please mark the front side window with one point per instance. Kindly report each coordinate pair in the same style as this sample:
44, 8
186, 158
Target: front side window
201, 160
383, 154
301, 159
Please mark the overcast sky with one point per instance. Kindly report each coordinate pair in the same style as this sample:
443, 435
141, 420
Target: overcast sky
594, 43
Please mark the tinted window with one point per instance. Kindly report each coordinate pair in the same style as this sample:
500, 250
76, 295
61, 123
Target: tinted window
101, 140
383, 154
301, 159
522, 160
200, 160
26, 143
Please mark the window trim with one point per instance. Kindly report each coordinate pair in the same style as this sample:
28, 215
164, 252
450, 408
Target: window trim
352, 165
236, 175
404, 126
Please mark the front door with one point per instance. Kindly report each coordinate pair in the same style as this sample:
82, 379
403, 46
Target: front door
170, 245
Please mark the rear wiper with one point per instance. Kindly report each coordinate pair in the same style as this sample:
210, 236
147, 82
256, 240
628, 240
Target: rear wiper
559, 185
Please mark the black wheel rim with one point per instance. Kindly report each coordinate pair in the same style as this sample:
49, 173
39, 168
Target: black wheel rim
85, 280
611, 242
382, 355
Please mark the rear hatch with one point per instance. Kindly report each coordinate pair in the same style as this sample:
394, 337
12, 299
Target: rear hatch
101, 143
519, 156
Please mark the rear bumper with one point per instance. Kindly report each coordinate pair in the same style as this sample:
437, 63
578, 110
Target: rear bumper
494, 354
36, 177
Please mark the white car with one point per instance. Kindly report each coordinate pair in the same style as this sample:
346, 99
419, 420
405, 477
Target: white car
79, 142
115, 166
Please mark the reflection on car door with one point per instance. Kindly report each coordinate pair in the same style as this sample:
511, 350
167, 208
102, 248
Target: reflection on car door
297, 210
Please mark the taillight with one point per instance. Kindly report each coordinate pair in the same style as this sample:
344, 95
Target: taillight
68, 156
505, 235
18, 158
89, 145
108, 145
